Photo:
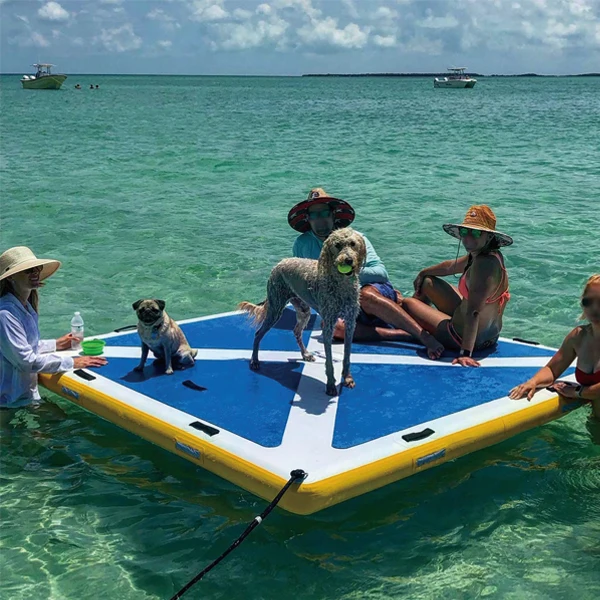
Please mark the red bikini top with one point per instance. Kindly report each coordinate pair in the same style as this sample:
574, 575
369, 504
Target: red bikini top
501, 299
584, 378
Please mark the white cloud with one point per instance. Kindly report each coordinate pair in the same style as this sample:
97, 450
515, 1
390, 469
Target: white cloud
326, 32
214, 13
158, 14
385, 41
119, 39
242, 14
165, 44
77, 41
384, 12
242, 36
53, 11
351, 9
31, 38
208, 10
23, 18
445, 22
264, 9
532, 27
304, 7
166, 21
37, 39
581, 8
556, 29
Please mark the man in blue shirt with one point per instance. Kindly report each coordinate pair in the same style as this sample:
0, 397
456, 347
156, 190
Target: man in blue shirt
381, 316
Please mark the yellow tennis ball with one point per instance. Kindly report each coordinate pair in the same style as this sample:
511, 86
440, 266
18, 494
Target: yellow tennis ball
344, 269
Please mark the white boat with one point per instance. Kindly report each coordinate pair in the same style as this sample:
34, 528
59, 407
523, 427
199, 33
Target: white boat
43, 79
456, 79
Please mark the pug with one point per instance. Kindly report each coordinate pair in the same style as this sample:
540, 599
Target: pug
159, 333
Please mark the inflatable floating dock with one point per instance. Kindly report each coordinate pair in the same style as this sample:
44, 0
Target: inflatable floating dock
406, 414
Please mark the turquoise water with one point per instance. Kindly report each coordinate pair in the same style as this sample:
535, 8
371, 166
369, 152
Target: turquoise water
178, 188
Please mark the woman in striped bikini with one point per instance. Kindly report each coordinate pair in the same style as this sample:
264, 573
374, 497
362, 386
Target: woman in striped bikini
469, 317
583, 344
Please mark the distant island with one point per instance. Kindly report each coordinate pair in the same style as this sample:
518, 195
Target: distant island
440, 75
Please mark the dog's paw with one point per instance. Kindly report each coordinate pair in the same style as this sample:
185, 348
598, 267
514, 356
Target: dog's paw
308, 357
139, 368
169, 371
255, 365
331, 389
349, 381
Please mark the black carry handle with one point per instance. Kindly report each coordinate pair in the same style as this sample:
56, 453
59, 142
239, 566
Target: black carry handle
418, 435
126, 328
188, 383
208, 429
84, 375
526, 341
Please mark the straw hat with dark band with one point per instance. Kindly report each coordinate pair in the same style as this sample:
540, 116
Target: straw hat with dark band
480, 217
342, 212
21, 258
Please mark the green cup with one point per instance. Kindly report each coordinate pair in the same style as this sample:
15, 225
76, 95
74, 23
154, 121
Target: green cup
93, 347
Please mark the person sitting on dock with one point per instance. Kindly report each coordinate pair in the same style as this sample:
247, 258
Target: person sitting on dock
469, 317
381, 317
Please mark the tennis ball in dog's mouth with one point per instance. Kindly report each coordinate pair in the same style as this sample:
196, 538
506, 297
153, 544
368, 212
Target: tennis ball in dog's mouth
344, 269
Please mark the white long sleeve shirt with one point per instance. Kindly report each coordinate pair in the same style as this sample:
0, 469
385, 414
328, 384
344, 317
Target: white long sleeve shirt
23, 355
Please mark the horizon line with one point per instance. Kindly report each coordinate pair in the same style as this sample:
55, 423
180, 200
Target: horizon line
365, 74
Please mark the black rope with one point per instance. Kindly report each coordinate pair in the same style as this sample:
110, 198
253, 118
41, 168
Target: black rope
295, 475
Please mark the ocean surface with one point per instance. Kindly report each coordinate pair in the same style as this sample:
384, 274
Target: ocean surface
178, 188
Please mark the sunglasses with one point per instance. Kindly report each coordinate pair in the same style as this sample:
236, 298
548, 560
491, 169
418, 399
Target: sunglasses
320, 214
464, 232
587, 301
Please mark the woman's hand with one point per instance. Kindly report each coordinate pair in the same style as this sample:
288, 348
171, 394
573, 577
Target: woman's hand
466, 361
524, 389
82, 362
566, 389
418, 282
64, 342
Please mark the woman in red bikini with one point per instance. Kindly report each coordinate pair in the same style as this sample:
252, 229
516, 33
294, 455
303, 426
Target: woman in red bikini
583, 344
469, 317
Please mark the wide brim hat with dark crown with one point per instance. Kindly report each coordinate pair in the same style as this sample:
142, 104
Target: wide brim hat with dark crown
342, 212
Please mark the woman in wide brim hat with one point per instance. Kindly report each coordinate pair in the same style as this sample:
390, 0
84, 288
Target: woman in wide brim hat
341, 212
466, 318
22, 353
480, 218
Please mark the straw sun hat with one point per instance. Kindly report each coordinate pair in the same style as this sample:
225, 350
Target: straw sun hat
21, 258
480, 217
342, 212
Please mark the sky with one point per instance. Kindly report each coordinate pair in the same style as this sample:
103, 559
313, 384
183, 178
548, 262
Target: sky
291, 37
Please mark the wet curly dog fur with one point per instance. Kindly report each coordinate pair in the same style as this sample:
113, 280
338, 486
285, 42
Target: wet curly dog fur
319, 285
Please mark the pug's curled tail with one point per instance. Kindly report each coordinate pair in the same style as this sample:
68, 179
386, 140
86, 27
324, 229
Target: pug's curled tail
256, 312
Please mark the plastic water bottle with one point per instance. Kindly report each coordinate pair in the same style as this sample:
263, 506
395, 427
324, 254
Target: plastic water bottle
76, 331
